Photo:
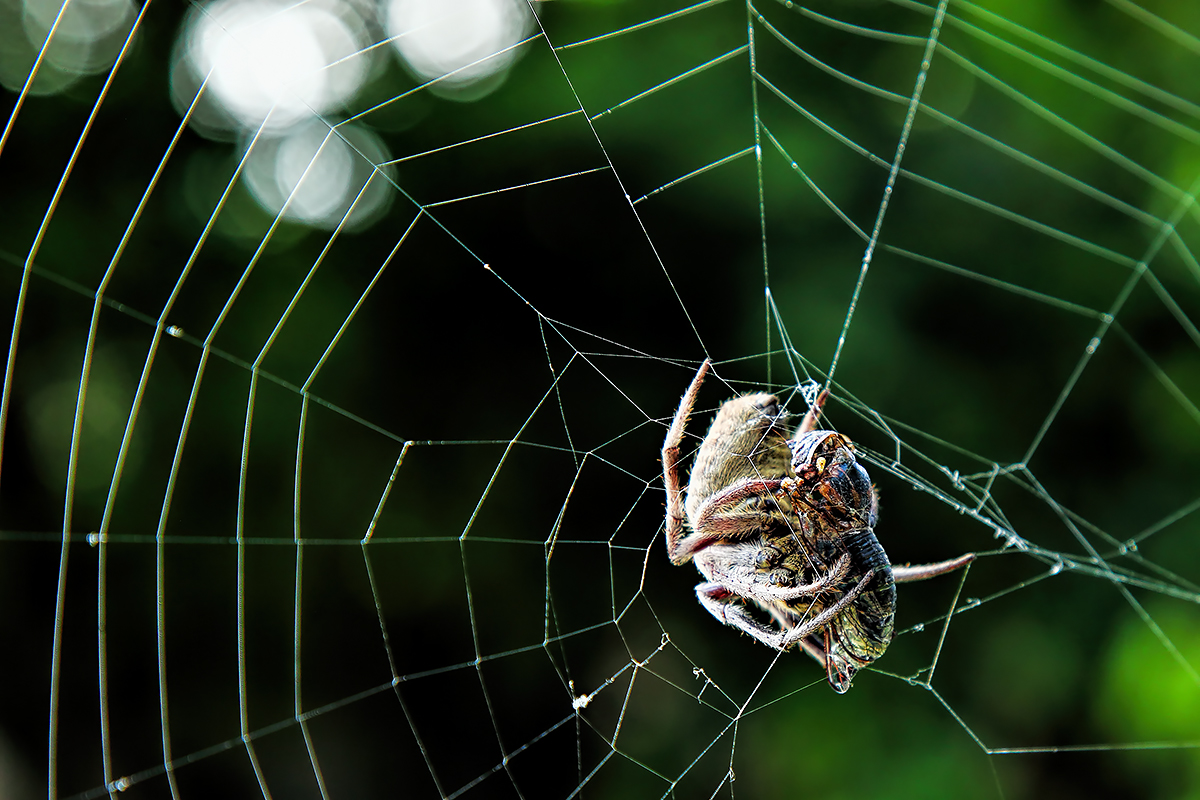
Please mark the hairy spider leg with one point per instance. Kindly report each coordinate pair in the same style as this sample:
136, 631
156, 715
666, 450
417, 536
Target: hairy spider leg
733, 494
718, 600
809, 423
670, 462
710, 527
919, 572
745, 580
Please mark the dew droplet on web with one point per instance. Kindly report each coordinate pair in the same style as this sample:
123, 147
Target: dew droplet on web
1011, 539
840, 672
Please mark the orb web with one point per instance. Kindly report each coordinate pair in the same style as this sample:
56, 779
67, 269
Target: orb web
333, 404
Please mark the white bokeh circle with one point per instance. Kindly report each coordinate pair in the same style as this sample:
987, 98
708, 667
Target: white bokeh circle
269, 64
462, 44
316, 176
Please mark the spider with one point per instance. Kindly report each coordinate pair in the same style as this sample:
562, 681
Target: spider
785, 523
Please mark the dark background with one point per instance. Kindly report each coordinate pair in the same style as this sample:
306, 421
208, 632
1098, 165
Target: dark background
535, 395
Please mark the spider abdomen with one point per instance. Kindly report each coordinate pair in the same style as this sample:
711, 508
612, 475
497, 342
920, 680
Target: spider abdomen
747, 439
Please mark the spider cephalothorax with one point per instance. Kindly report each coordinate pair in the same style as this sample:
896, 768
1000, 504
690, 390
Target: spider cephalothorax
785, 524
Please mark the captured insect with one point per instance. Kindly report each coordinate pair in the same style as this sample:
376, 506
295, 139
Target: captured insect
785, 522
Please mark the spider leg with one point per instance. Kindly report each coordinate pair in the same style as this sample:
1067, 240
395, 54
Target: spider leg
747, 582
671, 477
799, 632
822, 583
709, 528
812, 648
731, 495
919, 572
720, 602
809, 422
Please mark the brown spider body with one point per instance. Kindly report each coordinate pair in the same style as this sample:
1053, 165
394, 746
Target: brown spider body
784, 524
747, 441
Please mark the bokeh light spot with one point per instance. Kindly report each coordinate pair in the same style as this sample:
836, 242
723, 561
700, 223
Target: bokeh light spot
324, 173
268, 64
86, 41
461, 42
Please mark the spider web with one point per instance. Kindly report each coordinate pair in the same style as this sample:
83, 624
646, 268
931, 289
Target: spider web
292, 512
